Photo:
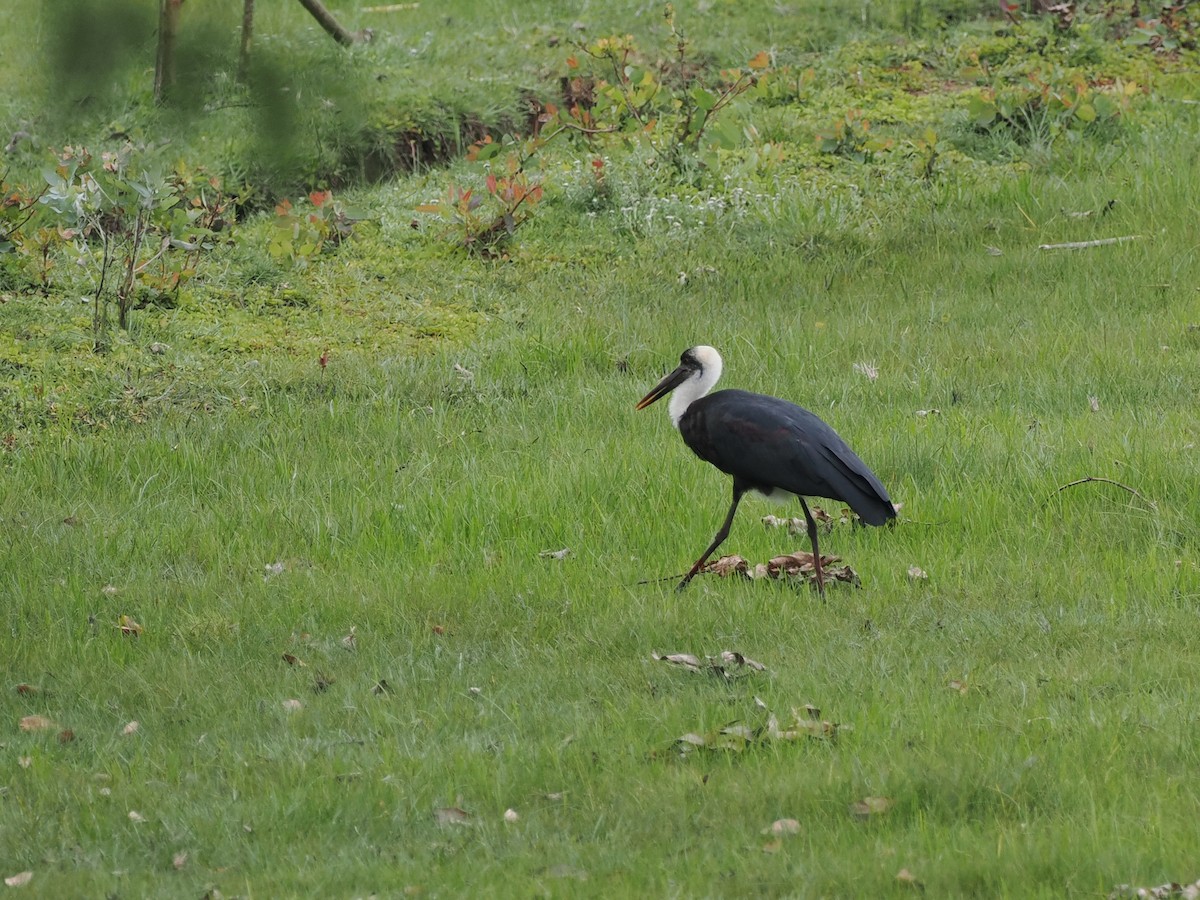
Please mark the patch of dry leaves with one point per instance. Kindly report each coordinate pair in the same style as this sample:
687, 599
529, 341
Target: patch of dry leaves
798, 566
727, 664
804, 722
1158, 892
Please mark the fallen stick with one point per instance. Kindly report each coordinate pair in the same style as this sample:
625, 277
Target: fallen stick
1089, 478
1081, 245
665, 578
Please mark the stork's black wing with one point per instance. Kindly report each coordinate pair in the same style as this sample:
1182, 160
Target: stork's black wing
768, 443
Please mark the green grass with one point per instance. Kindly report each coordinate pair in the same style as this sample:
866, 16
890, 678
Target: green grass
409, 502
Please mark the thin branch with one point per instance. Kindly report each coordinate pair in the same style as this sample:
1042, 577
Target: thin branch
99, 305
541, 140
331, 25
1091, 478
1081, 245
32, 211
125, 292
665, 578
167, 244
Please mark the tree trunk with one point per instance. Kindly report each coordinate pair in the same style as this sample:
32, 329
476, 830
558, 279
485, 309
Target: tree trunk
247, 37
330, 24
168, 32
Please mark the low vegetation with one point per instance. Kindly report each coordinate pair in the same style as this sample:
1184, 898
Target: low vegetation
339, 562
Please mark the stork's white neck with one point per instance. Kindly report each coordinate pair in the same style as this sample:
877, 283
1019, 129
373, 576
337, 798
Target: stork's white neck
698, 385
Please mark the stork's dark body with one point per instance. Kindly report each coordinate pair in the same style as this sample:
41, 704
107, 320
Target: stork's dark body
767, 444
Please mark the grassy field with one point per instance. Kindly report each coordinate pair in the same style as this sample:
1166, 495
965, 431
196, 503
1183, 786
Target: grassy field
354, 657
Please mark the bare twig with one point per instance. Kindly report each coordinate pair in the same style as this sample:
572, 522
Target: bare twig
1089, 478
167, 244
30, 210
1081, 245
665, 578
125, 291
333, 28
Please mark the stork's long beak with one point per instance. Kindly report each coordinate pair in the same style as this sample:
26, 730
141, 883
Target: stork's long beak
664, 387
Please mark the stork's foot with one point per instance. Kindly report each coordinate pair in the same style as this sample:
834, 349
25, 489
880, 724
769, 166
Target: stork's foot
819, 584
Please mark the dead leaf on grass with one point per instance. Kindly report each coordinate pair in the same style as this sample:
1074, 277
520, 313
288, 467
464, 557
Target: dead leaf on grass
1158, 892
129, 627
727, 565
908, 878
728, 664
350, 641
322, 682
783, 826
135, 816
179, 860
732, 737
798, 566
799, 525
1093, 403
20, 879
292, 705
26, 689
66, 736
959, 685
869, 807
794, 524
293, 660
685, 660
452, 815
805, 722
24, 761
37, 723
916, 573
870, 370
